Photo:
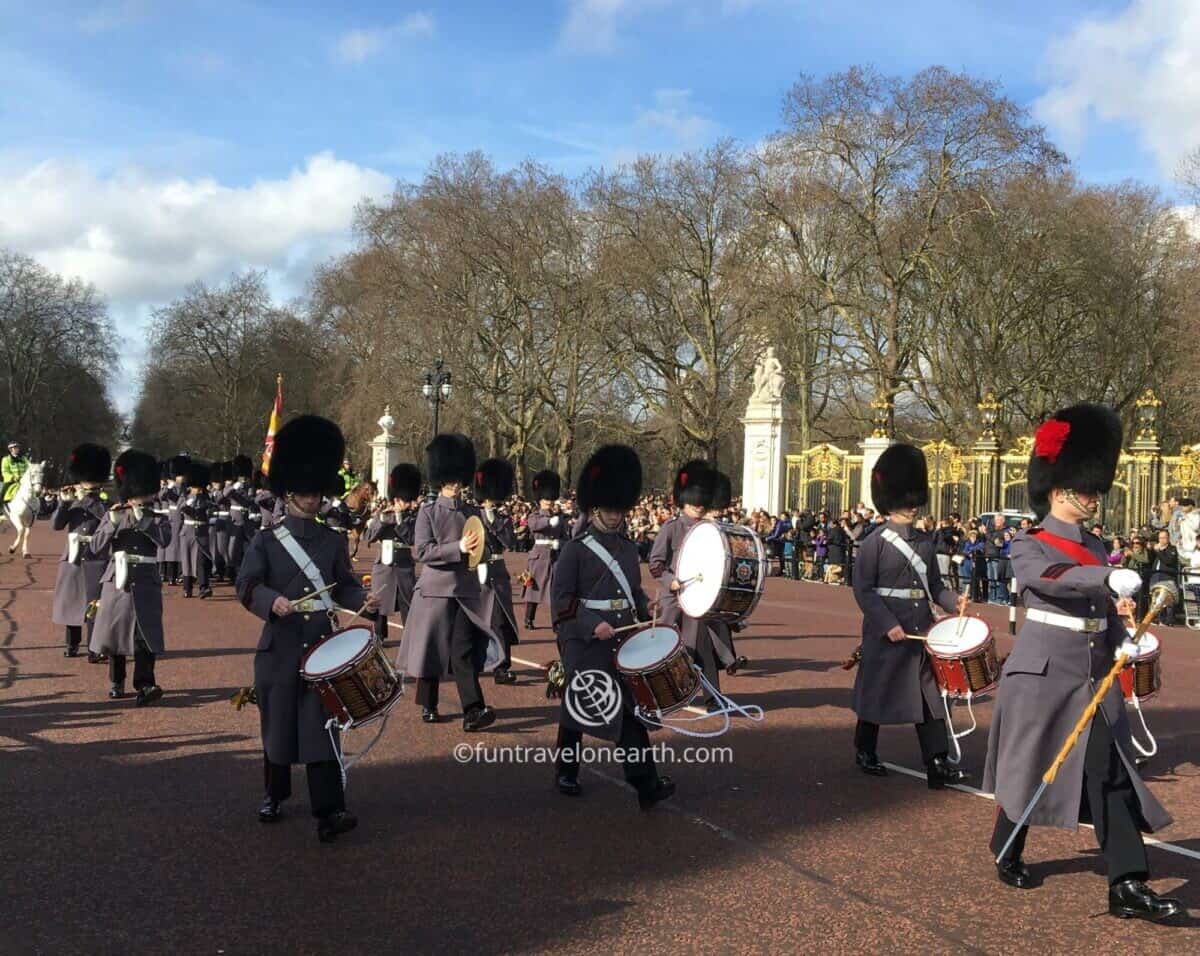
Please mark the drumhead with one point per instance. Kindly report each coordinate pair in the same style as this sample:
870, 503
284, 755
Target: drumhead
336, 651
1148, 646
954, 636
647, 648
702, 564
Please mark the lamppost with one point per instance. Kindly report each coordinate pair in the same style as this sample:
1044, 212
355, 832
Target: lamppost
436, 389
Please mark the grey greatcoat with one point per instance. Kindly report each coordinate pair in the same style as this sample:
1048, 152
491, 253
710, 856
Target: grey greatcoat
664, 556
497, 590
220, 527
551, 530
394, 583
136, 611
168, 505
292, 715
195, 512
581, 575
270, 509
78, 583
1050, 677
893, 676
238, 500
445, 579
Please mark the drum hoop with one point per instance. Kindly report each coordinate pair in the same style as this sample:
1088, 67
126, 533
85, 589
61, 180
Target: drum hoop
654, 627
342, 668
958, 654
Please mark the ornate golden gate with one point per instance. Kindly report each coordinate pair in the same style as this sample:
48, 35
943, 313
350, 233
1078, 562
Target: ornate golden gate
823, 478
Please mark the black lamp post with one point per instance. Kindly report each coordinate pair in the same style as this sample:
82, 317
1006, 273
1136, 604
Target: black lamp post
436, 389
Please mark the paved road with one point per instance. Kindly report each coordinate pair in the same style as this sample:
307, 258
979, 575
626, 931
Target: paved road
134, 831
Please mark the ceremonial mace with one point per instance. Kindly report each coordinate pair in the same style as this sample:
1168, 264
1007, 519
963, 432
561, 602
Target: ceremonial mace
1162, 596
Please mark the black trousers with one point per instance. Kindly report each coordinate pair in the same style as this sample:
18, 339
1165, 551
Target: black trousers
143, 668
1111, 802
931, 734
381, 627
325, 792
530, 611
465, 640
74, 637
706, 656
508, 637
638, 764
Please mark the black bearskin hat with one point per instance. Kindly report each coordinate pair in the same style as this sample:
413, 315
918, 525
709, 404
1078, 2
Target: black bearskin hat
546, 485
308, 452
611, 478
404, 482
722, 493
1076, 449
136, 474
177, 467
695, 483
198, 475
900, 479
450, 458
220, 472
494, 480
242, 466
90, 463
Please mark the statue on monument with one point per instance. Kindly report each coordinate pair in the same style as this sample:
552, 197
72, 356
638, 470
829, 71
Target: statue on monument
768, 379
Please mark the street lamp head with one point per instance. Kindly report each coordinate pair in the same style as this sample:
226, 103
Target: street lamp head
446, 386
427, 388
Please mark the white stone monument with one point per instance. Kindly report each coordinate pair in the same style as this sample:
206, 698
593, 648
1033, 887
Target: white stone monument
872, 448
385, 451
768, 433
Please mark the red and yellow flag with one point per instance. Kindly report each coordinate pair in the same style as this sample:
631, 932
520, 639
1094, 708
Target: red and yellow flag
273, 426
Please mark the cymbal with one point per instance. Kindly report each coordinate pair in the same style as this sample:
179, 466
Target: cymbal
474, 526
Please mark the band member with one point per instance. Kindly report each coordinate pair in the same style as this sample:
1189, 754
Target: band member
129, 618
80, 568
281, 580
168, 502
394, 575
238, 498
549, 529
597, 589
1066, 645
195, 546
722, 633
896, 581
447, 631
219, 523
494, 484
271, 508
711, 646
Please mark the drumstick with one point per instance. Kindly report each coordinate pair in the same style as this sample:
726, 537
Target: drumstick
630, 627
328, 587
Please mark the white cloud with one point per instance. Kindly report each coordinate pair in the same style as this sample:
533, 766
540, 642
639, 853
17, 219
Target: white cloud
1139, 67
673, 114
592, 26
358, 46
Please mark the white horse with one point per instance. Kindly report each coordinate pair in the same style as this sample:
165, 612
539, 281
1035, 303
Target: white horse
23, 508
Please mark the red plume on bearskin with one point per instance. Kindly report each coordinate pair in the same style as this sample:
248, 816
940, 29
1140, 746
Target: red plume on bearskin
1049, 439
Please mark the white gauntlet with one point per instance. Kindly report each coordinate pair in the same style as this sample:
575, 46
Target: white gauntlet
1124, 582
554, 521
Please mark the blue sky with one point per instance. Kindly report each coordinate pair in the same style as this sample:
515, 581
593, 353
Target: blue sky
145, 144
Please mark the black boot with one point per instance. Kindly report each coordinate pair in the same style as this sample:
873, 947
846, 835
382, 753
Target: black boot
503, 675
1015, 873
148, 695
478, 717
429, 715
939, 772
1133, 899
269, 811
869, 763
116, 692
659, 789
330, 826
567, 785
736, 666
529, 619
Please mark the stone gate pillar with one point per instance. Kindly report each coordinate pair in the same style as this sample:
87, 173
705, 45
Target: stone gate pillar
768, 427
385, 451
872, 448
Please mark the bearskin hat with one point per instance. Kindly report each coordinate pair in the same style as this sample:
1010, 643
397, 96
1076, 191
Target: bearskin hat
494, 479
136, 474
404, 482
220, 471
722, 493
450, 458
308, 452
611, 478
695, 483
177, 467
198, 475
546, 485
90, 463
900, 479
241, 466
1077, 448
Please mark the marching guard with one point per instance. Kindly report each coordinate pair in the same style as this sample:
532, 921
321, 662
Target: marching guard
281, 572
896, 582
394, 575
238, 499
597, 589
219, 523
169, 500
195, 544
129, 618
80, 568
549, 530
494, 484
447, 631
1072, 631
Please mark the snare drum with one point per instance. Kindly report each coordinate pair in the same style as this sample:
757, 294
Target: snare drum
720, 570
353, 676
1143, 677
962, 653
657, 671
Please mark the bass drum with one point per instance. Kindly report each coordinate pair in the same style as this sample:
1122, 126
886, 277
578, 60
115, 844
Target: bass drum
721, 570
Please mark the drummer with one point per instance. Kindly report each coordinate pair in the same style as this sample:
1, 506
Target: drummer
1073, 628
280, 569
896, 581
549, 529
394, 575
494, 484
597, 588
695, 490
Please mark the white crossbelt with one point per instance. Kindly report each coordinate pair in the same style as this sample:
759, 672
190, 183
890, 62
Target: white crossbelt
1085, 625
915, 561
304, 563
551, 543
614, 569
907, 594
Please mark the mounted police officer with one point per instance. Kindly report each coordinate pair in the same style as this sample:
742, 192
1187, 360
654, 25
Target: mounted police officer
12, 467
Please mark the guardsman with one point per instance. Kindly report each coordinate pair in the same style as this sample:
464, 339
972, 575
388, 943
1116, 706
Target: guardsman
494, 484
281, 570
12, 467
195, 545
219, 523
239, 500
80, 568
896, 582
1072, 631
129, 617
597, 589
394, 575
169, 502
447, 632
549, 529
270, 508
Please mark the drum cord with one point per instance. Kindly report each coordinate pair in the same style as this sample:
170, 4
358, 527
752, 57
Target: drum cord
953, 737
728, 706
345, 763
1137, 705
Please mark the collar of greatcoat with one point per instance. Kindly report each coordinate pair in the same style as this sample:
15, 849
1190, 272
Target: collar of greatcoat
1064, 529
906, 531
453, 504
300, 527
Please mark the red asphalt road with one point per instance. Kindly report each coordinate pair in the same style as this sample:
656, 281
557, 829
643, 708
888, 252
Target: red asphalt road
133, 830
